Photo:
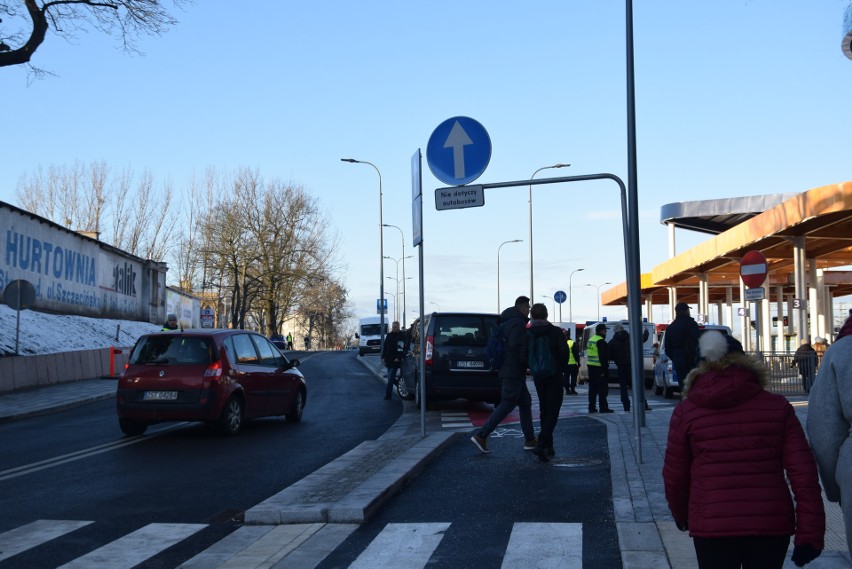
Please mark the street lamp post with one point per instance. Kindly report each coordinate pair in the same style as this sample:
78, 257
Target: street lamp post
394, 301
498, 268
560, 165
381, 251
570, 304
598, 287
404, 296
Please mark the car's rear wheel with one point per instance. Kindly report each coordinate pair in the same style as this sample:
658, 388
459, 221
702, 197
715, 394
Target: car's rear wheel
295, 414
402, 390
231, 420
132, 428
658, 390
669, 392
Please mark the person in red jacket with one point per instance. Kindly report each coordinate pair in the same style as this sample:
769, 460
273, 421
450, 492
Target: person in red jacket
731, 444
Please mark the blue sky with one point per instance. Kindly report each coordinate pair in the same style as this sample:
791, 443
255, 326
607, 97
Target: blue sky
733, 98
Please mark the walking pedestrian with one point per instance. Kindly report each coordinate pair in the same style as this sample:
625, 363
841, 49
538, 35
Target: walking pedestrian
830, 424
572, 369
171, 323
682, 342
805, 358
392, 355
545, 352
734, 453
597, 363
619, 352
514, 391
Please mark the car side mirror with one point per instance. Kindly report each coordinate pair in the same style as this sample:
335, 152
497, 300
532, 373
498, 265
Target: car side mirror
294, 363
357, 336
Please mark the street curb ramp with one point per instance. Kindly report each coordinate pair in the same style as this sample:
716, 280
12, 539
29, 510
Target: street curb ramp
351, 488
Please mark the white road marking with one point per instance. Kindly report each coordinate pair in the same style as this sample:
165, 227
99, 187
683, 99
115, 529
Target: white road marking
34, 534
402, 546
545, 546
136, 547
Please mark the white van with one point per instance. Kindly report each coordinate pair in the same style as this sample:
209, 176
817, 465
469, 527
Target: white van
648, 339
369, 335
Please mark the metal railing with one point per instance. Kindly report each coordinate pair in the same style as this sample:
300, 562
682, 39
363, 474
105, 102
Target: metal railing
785, 373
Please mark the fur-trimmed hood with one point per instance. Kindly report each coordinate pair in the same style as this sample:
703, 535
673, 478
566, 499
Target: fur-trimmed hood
728, 381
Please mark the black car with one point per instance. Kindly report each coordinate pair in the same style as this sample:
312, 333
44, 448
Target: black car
454, 359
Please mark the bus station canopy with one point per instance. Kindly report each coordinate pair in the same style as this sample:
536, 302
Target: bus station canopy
822, 217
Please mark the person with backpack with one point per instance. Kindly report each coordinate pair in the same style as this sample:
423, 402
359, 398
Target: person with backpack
545, 352
513, 378
572, 369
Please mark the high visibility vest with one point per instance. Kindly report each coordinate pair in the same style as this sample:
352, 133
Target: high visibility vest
592, 357
571, 360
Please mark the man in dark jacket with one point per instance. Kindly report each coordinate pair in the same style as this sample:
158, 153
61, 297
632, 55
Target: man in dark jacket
619, 352
682, 342
548, 385
805, 359
392, 354
513, 382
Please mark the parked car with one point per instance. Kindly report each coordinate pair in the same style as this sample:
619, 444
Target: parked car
221, 377
454, 361
280, 342
665, 379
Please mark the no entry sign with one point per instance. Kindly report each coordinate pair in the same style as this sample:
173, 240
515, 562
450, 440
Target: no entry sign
753, 269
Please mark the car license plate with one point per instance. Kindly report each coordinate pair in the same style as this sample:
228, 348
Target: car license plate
470, 364
160, 396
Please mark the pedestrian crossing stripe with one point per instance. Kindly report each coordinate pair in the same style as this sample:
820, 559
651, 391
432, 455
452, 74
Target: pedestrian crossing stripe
33, 534
135, 547
402, 546
397, 546
544, 545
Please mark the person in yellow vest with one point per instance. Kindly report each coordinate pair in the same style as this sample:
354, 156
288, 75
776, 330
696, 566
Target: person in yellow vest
572, 370
597, 362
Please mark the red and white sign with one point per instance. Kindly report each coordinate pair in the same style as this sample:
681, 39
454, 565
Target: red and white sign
753, 269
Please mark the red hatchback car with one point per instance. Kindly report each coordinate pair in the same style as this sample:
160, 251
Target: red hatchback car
222, 377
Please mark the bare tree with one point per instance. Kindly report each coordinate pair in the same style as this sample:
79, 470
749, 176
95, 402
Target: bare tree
24, 23
144, 222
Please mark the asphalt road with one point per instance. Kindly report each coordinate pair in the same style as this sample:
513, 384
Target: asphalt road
77, 465
473, 504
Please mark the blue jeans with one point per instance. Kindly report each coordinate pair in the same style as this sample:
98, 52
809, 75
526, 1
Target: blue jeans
514, 393
392, 371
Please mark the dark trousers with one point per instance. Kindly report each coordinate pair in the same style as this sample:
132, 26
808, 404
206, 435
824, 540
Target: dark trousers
550, 395
392, 379
514, 393
571, 373
623, 384
597, 388
753, 552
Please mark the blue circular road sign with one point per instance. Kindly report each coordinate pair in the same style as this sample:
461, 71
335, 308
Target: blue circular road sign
458, 151
560, 296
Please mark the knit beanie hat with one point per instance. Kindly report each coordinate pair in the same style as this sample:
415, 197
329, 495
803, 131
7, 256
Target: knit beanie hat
713, 345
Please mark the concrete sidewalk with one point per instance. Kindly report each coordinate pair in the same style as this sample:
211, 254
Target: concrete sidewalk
374, 470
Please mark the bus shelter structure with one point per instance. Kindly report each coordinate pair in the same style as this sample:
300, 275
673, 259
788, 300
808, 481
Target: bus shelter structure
806, 239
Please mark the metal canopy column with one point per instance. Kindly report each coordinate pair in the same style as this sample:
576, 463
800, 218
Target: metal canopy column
801, 313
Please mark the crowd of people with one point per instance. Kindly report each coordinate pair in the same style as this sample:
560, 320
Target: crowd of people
740, 474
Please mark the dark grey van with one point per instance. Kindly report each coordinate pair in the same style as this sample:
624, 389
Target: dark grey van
454, 360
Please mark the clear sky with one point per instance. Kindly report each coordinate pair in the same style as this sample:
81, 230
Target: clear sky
733, 98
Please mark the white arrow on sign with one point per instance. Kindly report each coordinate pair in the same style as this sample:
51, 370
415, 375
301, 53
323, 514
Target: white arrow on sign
457, 140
